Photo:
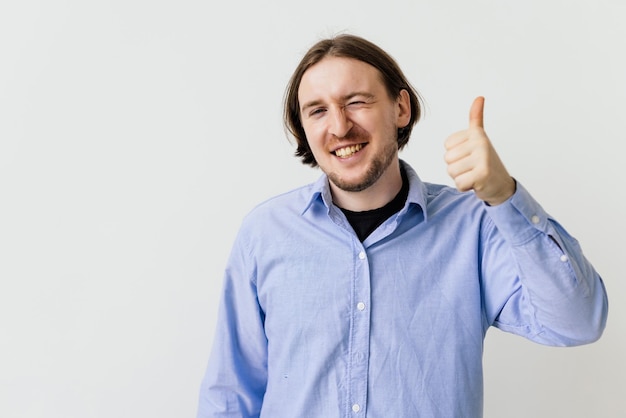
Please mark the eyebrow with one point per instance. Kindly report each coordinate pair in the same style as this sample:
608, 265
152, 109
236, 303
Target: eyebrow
344, 98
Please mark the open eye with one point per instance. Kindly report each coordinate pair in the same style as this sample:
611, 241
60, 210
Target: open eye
317, 111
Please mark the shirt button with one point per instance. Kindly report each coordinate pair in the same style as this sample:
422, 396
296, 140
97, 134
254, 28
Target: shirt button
362, 255
534, 219
356, 407
360, 306
563, 258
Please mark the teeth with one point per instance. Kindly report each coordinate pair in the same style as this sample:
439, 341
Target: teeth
348, 151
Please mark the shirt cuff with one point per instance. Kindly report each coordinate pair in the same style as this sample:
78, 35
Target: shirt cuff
520, 218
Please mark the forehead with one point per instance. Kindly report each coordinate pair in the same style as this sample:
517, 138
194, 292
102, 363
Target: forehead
338, 76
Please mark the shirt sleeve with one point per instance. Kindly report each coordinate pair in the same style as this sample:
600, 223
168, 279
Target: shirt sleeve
236, 375
538, 283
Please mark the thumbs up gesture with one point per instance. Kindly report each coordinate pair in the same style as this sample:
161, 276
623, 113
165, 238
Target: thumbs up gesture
474, 164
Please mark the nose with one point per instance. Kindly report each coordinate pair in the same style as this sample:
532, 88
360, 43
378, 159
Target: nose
339, 123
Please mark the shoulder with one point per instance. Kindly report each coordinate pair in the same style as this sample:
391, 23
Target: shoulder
279, 208
441, 196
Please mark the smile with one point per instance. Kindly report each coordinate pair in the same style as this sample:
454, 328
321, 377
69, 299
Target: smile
348, 151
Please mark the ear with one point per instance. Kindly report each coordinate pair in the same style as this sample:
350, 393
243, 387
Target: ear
403, 107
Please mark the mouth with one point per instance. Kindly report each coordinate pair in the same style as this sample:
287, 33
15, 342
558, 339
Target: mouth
348, 151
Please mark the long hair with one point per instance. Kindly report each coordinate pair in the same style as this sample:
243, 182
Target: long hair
347, 46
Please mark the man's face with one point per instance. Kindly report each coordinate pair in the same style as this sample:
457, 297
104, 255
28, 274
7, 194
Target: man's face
350, 121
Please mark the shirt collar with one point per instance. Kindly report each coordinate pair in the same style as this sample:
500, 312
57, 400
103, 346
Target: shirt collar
417, 189
320, 191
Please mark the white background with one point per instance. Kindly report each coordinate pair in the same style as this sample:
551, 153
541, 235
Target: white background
136, 134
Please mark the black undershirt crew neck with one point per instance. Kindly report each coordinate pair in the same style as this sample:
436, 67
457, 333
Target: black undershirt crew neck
365, 222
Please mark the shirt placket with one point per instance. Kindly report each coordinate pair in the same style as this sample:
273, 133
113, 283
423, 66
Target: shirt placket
359, 335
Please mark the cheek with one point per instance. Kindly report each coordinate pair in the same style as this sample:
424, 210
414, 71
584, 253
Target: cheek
314, 134
368, 121
316, 147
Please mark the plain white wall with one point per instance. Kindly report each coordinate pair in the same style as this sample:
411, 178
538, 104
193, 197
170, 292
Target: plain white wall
136, 134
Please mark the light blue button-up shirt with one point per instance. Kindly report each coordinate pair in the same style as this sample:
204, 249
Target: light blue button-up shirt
314, 323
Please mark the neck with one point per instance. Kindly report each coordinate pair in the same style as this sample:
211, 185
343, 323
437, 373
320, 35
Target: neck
375, 196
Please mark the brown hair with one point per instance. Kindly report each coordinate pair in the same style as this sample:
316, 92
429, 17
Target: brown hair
347, 46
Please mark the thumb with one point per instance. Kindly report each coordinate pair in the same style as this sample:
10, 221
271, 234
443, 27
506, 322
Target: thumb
476, 113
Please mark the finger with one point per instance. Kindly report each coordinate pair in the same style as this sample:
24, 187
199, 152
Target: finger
457, 153
459, 167
476, 113
455, 139
464, 181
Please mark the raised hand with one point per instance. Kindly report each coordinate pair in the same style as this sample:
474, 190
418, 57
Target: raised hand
474, 164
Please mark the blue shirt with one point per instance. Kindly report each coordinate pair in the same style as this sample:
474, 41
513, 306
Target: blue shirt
314, 323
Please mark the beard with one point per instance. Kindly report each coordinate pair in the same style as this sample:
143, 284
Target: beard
376, 169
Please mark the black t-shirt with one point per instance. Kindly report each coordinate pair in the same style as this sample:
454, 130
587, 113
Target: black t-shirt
365, 222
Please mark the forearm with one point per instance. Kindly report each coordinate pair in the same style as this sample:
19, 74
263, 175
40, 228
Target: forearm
561, 296
236, 376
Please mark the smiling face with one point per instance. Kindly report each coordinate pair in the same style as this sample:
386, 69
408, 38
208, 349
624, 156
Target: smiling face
351, 123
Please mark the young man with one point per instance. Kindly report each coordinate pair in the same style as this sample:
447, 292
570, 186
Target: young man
369, 292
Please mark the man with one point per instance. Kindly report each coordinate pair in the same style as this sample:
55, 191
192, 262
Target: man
369, 292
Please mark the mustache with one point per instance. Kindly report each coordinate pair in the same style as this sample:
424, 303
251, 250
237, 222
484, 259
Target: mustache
355, 133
